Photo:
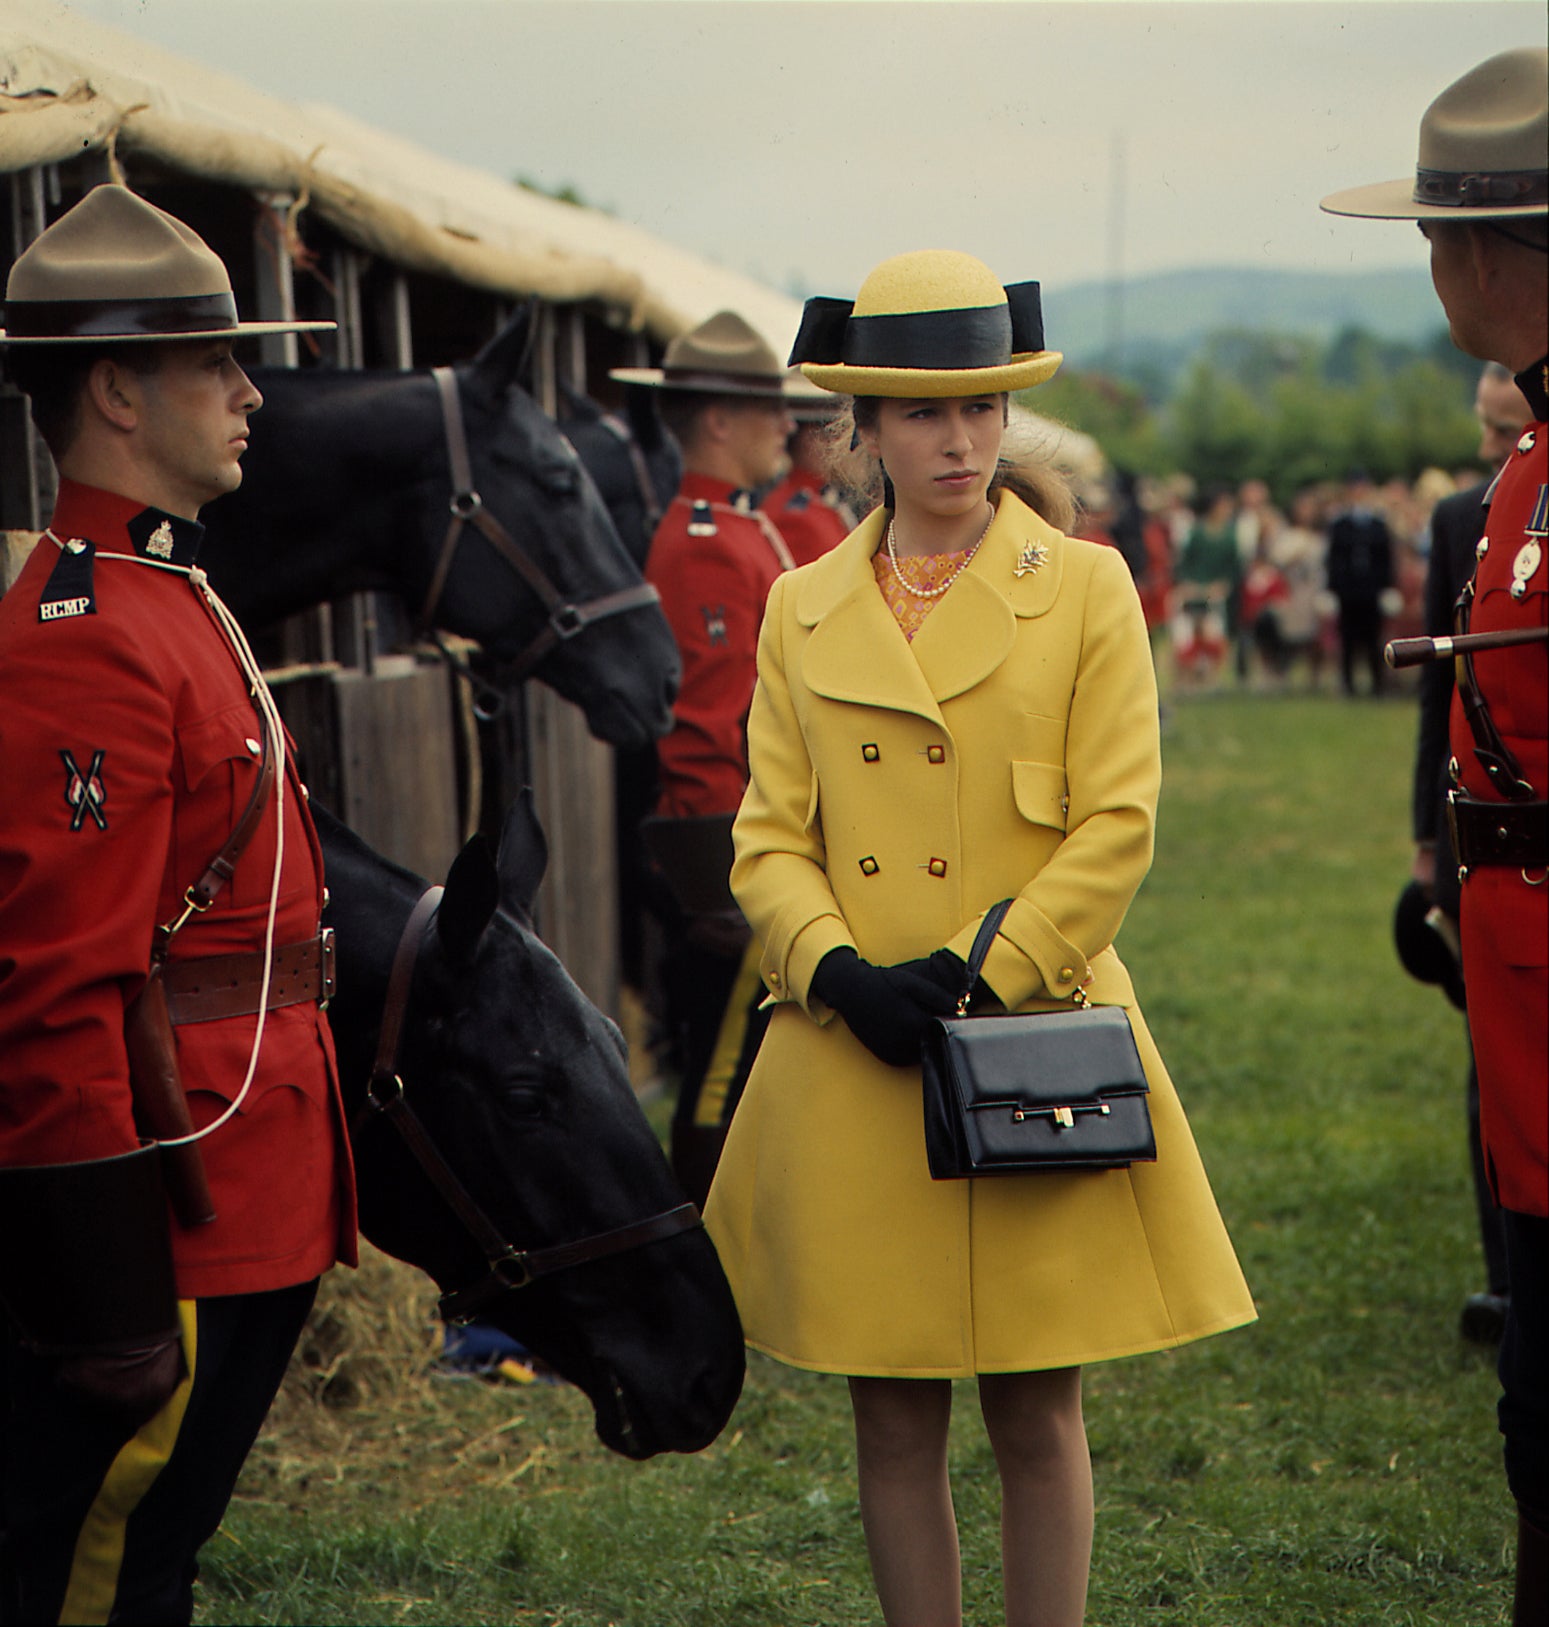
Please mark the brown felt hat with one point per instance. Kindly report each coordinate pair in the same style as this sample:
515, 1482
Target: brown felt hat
116, 269
722, 356
1484, 150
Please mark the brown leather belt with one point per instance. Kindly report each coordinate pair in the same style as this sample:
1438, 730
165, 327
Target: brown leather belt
200, 991
1509, 833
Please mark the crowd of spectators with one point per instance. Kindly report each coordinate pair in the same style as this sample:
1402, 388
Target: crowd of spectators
1240, 590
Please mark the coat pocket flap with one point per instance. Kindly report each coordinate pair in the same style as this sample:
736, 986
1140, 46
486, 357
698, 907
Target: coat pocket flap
1041, 793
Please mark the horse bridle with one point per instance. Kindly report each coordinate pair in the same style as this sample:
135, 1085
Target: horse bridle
510, 1267
565, 618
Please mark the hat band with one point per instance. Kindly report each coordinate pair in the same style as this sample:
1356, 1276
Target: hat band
118, 319
689, 378
975, 336
1476, 191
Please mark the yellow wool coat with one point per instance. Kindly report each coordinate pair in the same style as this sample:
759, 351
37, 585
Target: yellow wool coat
896, 792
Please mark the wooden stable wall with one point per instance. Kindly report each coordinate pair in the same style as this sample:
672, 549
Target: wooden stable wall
382, 736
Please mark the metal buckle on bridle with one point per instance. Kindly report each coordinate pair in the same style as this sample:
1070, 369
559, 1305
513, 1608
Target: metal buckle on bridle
465, 504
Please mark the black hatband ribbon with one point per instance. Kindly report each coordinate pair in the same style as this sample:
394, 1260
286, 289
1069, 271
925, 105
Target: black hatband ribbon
953, 340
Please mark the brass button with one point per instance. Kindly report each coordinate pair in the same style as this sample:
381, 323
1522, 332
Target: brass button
1481, 548
1066, 974
1065, 804
774, 980
869, 866
327, 898
937, 867
253, 746
1528, 442
936, 754
306, 795
1454, 773
869, 753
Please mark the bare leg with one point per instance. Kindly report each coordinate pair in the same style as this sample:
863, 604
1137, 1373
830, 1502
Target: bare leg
1039, 1439
906, 1501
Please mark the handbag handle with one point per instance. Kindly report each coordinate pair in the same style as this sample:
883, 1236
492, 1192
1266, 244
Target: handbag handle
983, 938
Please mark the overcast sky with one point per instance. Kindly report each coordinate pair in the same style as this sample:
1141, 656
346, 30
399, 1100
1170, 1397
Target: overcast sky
803, 140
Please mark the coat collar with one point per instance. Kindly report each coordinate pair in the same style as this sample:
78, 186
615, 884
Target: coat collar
857, 651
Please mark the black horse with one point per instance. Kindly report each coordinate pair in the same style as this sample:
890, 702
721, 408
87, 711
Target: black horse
349, 484
521, 1085
634, 463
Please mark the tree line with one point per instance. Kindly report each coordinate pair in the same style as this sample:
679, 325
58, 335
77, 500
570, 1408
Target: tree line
1286, 410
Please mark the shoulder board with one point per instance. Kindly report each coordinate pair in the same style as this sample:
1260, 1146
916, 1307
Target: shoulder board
70, 589
701, 522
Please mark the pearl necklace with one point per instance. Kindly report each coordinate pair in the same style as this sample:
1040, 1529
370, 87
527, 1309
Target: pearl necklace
935, 592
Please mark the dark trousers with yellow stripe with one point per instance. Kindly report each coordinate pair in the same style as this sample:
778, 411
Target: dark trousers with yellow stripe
96, 1526
714, 1002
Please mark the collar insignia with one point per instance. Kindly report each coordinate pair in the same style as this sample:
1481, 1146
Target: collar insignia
1031, 560
159, 544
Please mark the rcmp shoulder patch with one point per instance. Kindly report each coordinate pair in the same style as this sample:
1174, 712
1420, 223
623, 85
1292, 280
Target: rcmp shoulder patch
70, 589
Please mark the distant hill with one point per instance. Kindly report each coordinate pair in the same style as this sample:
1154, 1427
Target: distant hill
1166, 315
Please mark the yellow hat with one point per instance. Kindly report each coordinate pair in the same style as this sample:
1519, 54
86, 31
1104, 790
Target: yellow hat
116, 268
932, 323
1484, 150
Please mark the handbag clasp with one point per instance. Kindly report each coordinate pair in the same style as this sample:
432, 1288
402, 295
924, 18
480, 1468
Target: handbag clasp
1064, 1117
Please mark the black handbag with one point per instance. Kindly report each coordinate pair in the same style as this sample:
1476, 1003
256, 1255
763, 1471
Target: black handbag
1049, 1091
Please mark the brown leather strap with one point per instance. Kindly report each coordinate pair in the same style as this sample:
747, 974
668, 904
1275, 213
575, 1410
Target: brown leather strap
216, 986
202, 894
565, 619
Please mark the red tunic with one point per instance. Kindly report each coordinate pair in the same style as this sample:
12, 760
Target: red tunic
127, 753
807, 514
713, 565
1505, 921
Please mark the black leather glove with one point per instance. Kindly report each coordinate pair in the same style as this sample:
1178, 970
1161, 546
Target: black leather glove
885, 1007
132, 1385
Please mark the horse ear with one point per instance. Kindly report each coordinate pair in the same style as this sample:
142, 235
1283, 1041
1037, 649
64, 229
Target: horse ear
524, 855
471, 896
506, 359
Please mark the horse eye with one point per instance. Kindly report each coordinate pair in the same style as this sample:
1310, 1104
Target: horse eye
525, 1101
559, 478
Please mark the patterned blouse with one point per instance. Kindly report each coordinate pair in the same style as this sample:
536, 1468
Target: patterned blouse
925, 571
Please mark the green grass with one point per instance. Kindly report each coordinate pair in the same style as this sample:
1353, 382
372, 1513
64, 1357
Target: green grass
1336, 1463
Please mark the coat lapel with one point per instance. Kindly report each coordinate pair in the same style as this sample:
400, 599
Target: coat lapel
857, 652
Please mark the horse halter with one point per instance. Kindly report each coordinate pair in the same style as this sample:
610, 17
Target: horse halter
565, 618
510, 1267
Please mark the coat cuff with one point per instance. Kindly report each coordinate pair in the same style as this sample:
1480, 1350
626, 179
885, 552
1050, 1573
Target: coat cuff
806, 952
1029, 959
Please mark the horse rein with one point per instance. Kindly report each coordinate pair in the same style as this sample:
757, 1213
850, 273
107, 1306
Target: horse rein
510, 1267
565, 618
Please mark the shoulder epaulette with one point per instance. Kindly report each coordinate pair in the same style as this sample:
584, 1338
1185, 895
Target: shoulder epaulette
71, 586
701, 522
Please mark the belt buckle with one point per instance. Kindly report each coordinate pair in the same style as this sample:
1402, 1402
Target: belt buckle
326, 967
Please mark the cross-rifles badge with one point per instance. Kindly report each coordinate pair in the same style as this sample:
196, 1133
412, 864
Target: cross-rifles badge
85, 792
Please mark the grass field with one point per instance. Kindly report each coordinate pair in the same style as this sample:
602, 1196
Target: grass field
1338, 1462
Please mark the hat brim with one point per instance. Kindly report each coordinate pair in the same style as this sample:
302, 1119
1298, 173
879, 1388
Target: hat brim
1020, 373
1394, 200
243, 330
654, 378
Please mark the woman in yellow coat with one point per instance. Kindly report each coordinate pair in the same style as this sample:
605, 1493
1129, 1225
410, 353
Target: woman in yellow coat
954, 706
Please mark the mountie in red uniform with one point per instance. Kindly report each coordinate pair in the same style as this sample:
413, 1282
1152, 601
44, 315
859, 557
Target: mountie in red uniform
1500, 813
809, 515
129, 747
713, 560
